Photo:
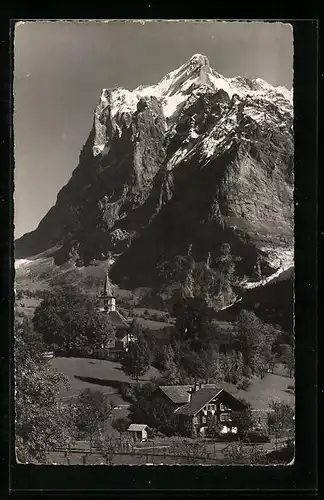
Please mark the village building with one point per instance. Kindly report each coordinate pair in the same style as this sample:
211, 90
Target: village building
106, 304
138, 432
201, 408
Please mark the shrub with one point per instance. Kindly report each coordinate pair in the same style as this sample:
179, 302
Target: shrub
244, 384
229, 437
127, 391
238, 453
121, 424
257, 437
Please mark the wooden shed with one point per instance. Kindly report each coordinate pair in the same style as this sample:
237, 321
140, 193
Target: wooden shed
139, 432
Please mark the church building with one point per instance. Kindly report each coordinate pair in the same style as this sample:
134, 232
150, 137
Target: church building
107, 305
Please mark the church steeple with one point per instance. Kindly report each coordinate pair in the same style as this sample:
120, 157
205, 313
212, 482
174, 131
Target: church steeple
107, 291
107, 301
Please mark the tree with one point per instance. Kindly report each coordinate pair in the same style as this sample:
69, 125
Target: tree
231, 367
280, 419
159, 356
254, 342
197, 365
171, 371
165, 360
192, 317
108, 447
98, 330
67, 319
136, 360
248, 335
177, 271
226, 265
288, 358
39, 424
121, 424
92, 409
153, 412
163, 418
243, 420
140, 410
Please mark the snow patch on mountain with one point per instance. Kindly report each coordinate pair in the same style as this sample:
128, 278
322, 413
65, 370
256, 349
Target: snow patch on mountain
218, 135
268, 279
113, 107
178, 156
210, 144
279, 259
170, 104
223, 83
19, 263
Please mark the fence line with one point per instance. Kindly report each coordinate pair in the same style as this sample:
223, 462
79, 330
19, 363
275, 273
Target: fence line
77, 395
148, 455
203, 450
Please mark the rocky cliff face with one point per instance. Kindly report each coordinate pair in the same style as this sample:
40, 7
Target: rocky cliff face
197, 159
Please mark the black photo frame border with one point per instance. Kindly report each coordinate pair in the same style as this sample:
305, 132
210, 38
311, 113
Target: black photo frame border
300, 478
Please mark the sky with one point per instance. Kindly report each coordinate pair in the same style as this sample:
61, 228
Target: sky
60, 69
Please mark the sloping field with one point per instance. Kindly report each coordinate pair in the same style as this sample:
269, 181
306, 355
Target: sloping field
150, 324
102, 375
263, 391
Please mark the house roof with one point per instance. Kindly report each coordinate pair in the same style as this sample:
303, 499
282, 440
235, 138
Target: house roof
121, 334
107, 291
118, 319
198, 400
137, 427
179, 394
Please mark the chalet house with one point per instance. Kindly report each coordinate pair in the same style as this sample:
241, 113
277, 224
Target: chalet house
119, 344
107, 305
201, 408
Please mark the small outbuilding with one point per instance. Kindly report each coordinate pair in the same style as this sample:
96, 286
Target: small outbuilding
139, 432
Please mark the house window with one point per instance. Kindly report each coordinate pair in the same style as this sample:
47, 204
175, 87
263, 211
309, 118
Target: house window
210, 407
225, 417
203, 420
195, 420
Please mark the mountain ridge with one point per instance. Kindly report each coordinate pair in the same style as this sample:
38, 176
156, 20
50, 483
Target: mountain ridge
197, 159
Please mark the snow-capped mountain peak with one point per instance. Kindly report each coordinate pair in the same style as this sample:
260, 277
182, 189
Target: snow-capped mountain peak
173, 91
